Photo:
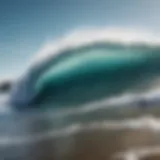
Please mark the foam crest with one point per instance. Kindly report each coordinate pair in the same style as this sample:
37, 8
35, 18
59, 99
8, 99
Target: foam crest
80, 38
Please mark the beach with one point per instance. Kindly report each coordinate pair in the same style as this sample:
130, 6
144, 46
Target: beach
134, 137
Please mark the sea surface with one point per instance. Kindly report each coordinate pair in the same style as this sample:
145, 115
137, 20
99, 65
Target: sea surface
86, 98
106, 133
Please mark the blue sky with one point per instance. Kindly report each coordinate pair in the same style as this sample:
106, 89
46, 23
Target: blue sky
25, 25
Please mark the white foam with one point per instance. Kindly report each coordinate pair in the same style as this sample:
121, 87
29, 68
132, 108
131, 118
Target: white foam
134, 124
138, 153
80, 38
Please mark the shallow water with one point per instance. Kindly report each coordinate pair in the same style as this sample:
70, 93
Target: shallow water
105, 133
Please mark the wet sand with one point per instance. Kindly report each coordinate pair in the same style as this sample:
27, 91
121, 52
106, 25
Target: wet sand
89, 144
98, 144
103, 140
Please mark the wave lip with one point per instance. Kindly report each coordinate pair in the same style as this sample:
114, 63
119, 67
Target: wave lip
81, 38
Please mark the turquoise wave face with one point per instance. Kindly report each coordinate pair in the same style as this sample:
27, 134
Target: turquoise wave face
88, 74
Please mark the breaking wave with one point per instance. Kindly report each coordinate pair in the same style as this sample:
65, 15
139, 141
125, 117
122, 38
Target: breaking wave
88, 66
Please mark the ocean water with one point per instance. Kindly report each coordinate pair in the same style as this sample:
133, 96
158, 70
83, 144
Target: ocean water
95, 97
87, 73
103, 131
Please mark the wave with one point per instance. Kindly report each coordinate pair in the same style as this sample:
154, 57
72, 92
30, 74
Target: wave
88, 66
91, 72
